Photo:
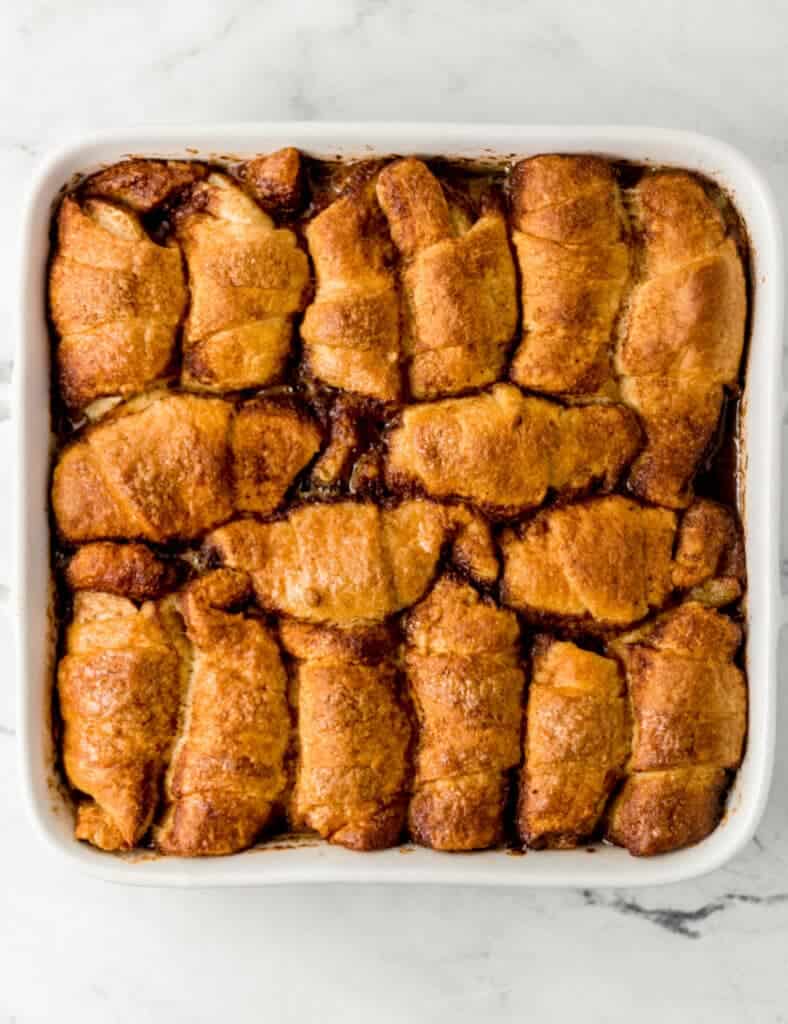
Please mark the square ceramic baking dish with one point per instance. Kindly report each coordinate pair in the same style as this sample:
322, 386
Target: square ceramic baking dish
281, 862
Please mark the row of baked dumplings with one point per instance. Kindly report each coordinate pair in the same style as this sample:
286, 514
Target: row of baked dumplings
341, 670
638, 297
186, 711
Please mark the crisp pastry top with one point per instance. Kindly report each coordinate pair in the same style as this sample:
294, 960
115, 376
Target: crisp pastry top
458, 279
569, 231
450, 448
246, 278
116, 299
682, 334
168, 467
394, 500
351, 332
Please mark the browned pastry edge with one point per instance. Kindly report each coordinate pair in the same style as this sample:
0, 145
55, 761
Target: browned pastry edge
143, 184
657, 812
462, 445
352, 734
129, 570
366, 645
226, 773
276, 180
581, 711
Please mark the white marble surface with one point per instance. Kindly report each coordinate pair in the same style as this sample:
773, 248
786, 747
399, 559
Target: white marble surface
75, 949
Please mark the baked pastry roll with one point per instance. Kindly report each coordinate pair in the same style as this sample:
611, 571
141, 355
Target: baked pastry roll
608, 562
458, 280
504, 451
276, 180
119, 688
169, 467
465, 683
143, 184
576, 743
709, 563
569, 235
271, 441
116, 299
227, 771
246, 278
684, 332
353, 735
689, 704
351, 330
128, 570
351, 562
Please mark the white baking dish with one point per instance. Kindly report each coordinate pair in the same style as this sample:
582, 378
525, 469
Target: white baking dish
317, 862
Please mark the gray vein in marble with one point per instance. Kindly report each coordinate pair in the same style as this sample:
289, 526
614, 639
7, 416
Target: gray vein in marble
21, 146
677, 921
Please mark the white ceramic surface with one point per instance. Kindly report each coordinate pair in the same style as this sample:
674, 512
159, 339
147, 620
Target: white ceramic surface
273, 864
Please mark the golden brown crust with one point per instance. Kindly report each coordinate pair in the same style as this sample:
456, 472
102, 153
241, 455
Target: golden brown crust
454, 448
351, 330
353, 736
276, 180
709, 559
169, 467
271, 442
156, 469
128, 570
95, 827
577, 741
460, 292
415, 206
246, 279
689, 706
656, 812
119, 689
606, 561
143, 184
350, 562
569, 228
116, 299
362, 645
465, 683
684, 332
227, 770
689, 700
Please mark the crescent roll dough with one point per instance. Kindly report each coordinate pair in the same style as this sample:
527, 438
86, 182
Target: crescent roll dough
569, 235
684, 332
459, 283
246, 278
116, 300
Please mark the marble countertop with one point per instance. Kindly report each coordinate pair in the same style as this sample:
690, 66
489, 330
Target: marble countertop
76, 949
